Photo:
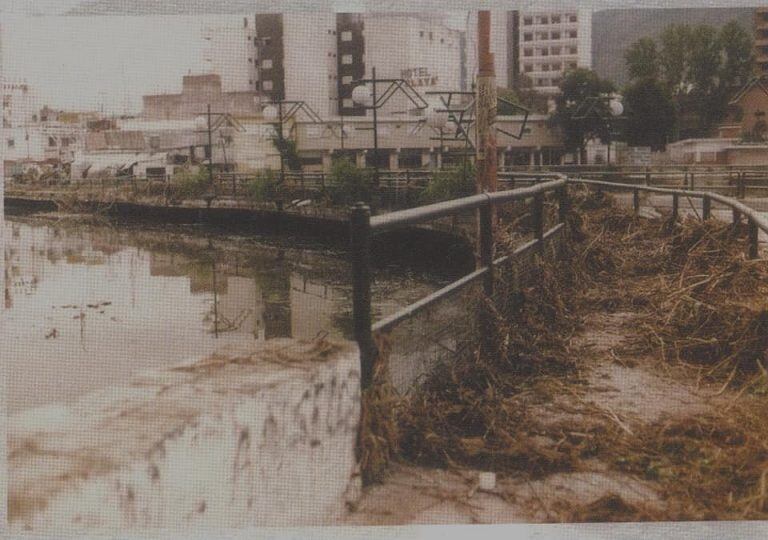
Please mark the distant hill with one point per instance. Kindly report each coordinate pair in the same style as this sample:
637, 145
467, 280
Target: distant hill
614, 30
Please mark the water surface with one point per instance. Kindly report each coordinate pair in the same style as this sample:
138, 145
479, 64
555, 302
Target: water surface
89, 305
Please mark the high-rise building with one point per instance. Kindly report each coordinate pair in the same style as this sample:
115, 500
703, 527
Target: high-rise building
229, 53
317, 57
761, 40
553, 42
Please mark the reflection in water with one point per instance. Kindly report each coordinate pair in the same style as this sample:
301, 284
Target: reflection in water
88, 308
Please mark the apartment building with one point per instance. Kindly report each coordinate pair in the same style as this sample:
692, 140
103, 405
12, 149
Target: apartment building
761, 40
316, 57
20, 105
553, 42
229, 52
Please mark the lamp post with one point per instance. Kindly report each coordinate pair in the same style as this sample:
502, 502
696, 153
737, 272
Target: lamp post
369, 98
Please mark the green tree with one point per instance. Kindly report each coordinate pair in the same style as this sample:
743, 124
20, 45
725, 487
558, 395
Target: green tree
650, 114
350, 184
673, 56
738, 56
642, 59
288, 149
525, 95
575, 89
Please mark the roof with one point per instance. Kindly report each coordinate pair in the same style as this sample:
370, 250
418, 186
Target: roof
760, 82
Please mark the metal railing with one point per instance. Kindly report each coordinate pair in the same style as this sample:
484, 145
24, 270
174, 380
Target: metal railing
363, 227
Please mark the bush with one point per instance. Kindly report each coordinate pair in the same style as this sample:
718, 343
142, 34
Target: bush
448, 184
349, 183
191, 185
264, 187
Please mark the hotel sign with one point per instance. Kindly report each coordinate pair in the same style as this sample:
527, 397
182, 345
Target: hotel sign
419, 77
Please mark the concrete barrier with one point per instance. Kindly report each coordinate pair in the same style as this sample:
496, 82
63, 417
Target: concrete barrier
261, 437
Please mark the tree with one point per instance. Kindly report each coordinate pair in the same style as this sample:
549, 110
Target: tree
738, 57
288, 150
650, 114
642, 59
525, 95
699, 67
576, 88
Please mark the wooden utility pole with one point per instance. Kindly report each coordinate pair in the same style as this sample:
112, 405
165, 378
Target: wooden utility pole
486, 106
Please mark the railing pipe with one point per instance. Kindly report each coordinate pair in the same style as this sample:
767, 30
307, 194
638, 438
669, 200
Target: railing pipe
360, 237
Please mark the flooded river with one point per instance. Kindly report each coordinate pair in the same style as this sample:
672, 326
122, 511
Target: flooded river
89, 305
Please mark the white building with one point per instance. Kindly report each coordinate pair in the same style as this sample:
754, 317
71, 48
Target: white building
230, 53
503, 32
553, 42
316, 57
20, 105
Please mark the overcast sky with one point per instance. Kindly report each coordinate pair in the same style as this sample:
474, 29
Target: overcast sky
80, 62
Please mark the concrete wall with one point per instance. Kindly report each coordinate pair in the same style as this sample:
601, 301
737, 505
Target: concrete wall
259, 437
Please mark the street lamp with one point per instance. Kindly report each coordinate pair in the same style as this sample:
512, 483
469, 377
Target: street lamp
368, 98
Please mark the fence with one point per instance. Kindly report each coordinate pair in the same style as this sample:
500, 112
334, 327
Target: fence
363, 227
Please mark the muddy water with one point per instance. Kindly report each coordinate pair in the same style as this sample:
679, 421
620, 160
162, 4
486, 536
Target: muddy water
88, 305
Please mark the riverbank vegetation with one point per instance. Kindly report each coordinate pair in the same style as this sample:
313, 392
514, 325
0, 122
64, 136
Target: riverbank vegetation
676, 308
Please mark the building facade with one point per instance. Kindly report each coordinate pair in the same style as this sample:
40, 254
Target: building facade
317, 57
761, 40
229, 52
199, 91
20, 106
552, 43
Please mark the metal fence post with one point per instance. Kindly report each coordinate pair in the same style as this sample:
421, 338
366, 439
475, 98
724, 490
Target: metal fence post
636, 201
736, 218
564, 202
693, 182
647, 176
486, 245
752, 239
740, 190
707, 208
538, 216
360, 240
675, 206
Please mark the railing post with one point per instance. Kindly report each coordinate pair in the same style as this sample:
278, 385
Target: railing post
736, 218
706, 208
675, 207
693, 182
636, 200
740, 190
538, 216
752, 239
564, 202
647, 176
486, 246
360, 240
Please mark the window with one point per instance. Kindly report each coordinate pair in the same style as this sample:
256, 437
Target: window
346, 35
544, 52
555, 35
442, 40
555, 50
572, 18
346, 59
528, 68
347, 103
527, 37
573, 34
573, 50
557, 66
51, 141
430, 36
250, 60
421, 33
528, 52
267, 85
346, 79
543, 36
11, 143
555, 19
541, 82
527, 21
266, 63
544, 67
572, 65
545, 20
